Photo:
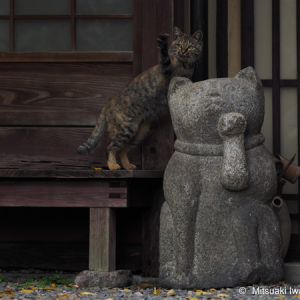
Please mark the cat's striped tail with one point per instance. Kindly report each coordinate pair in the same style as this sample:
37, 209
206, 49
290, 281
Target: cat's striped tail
95, 137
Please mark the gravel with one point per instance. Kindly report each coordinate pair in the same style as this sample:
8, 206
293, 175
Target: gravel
143, 289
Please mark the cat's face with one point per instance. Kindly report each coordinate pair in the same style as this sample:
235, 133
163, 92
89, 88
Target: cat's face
187, 48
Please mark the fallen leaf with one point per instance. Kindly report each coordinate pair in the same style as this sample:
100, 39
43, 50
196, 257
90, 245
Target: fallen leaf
87, 293
127, 290
74, 286
7, 292
139, 294
26, 291
171, 293
33, 287
191, 298
223, 295
53, 284
51, 289
156, 291
213, 290
98, 169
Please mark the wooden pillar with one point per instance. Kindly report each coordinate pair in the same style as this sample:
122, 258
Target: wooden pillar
102, 239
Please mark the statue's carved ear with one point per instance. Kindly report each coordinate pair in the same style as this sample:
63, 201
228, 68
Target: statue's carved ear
177, 83
177, 33
198, 36
250, 75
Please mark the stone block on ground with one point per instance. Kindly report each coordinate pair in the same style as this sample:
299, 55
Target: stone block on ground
120, 278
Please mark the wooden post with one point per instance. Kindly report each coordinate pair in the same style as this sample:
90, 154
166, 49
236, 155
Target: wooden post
102, 239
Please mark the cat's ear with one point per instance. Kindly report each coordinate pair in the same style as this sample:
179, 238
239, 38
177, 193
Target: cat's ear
177, 33
250, 75
198, 36
178, 83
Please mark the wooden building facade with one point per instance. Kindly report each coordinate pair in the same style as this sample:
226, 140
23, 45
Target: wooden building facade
61, 60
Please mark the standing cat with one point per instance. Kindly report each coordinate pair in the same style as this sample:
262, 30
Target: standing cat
127, 116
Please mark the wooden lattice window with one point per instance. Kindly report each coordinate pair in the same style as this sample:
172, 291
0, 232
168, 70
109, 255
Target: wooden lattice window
66, 30
271, 43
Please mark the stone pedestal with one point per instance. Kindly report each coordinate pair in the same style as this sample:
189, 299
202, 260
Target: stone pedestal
121, 278
217, 226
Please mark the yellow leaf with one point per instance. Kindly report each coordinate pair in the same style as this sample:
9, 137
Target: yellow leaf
87, 293
53, 284
98, 169
74, 286
26, 291
206, 293
171, 293
223, 295
33, 287
199, 291
127, 290
156, 291
297, 296
51, 289
191, 298
213, 290
7, 292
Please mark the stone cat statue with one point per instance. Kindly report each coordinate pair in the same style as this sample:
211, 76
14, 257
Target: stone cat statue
217, 226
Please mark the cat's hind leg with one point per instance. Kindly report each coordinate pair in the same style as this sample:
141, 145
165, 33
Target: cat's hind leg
112, 161
124, 159
141, 133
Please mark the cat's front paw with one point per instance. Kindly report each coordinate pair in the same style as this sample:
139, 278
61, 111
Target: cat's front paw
163, 42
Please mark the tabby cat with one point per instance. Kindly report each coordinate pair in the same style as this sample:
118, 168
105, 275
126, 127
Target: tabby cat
127, 116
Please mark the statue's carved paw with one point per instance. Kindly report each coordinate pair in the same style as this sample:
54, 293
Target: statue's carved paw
246, 274
232, 124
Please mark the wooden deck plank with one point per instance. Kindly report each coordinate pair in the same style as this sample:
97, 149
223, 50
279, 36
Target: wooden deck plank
61, 193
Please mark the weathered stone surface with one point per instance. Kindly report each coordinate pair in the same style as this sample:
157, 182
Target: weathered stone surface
120, 278
217, 227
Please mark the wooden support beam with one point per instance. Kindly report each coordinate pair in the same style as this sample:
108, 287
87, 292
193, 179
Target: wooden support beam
102, 239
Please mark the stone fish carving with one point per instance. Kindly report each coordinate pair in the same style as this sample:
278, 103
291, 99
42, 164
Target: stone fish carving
217, 226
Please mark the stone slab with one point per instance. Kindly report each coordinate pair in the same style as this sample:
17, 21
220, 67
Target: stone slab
120, 278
